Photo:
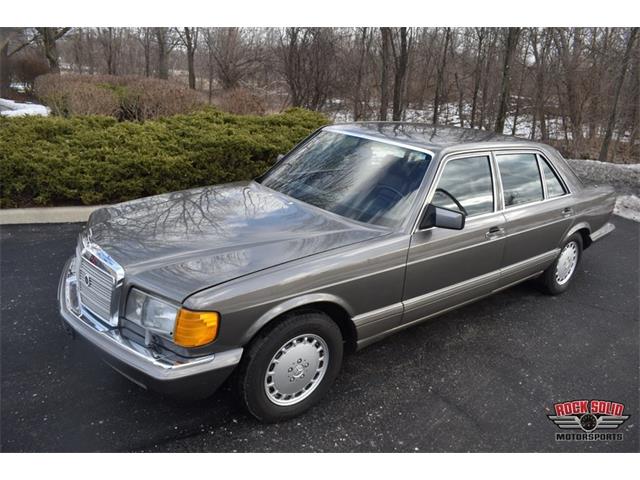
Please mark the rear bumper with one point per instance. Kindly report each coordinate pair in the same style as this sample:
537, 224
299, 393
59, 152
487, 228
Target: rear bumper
602, 232
191, 377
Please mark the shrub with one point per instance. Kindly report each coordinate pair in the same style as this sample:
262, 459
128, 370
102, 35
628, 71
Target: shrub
97, 160
127, 97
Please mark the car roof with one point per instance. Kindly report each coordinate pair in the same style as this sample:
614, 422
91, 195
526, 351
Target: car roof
431, 137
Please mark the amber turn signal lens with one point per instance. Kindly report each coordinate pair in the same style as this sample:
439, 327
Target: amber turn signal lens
195, 328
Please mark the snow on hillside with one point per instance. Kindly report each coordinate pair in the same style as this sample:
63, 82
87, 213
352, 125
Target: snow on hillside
625, 178
9, 108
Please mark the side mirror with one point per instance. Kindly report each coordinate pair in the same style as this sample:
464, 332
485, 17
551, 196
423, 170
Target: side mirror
442, 218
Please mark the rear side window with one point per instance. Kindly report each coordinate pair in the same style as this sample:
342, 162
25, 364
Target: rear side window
467, 180
521, 180
551, 180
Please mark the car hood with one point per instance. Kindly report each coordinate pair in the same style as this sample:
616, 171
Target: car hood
179, 243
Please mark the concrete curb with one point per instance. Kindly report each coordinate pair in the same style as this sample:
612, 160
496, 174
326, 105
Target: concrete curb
15, 216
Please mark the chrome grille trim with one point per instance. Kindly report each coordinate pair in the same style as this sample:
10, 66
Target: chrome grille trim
95, 297
102, 298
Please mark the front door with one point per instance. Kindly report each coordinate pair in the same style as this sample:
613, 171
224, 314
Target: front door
447, 267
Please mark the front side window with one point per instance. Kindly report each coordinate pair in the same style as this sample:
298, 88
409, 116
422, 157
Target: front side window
521, 180
466, 181
551, 180
361, 179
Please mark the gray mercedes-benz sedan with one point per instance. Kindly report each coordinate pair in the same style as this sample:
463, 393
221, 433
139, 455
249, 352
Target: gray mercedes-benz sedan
361, 230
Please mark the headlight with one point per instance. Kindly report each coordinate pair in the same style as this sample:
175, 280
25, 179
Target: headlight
151, 313
187, 328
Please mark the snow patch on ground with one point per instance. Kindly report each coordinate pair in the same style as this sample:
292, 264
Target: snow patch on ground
628, 206
9, 108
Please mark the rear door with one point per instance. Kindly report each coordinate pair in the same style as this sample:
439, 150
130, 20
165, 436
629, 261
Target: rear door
537, 208
446, 267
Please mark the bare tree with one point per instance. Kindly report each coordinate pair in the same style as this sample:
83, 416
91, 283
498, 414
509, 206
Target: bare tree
401, 61
634, 116
145, 38
189, 38
49, 37
364, 45
440, 80
540, 43
385, 52
306, 56
569, 46
110, 39
604, 151
481, 34
166, 42
235, 53
511, 44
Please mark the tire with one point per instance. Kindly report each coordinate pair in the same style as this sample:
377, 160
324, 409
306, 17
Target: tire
557, 278
310, 346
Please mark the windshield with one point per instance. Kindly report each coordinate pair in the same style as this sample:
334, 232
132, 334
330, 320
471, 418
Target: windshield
357, 178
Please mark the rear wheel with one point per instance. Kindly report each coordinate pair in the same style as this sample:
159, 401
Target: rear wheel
558, 276
289, 367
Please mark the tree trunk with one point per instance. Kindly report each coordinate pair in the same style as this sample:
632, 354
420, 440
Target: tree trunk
357, 99
485, 83
540, 55
190, 41
634, 141
147, 61
50, 36
440, 80
163, 66
516, 114
460, 100
5, 78
604, 151
477, 77
401, 61
384, 77
505, 89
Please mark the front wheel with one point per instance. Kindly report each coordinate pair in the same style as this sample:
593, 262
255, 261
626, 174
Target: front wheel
289, 367
558, 276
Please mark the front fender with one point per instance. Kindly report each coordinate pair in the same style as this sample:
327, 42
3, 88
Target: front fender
291, 304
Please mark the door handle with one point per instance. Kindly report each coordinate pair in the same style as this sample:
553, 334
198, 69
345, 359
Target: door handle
567, 212
494, 232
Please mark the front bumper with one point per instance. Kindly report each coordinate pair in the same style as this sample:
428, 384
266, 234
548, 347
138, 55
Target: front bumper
192, 377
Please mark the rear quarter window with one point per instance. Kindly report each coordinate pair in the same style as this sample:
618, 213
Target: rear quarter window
551, 180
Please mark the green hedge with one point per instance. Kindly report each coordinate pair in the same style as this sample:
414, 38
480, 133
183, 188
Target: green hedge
93, 160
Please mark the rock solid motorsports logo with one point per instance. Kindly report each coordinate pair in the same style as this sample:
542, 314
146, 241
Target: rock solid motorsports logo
594, 418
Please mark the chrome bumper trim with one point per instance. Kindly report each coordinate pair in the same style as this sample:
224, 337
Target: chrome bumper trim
137, 356
603, 231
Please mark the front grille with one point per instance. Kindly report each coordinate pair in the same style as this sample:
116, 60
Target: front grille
96, 288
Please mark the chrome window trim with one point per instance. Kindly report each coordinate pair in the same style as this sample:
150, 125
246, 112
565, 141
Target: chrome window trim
536, 152
565, 186
344, 131
545, 192
441, 166
540, 177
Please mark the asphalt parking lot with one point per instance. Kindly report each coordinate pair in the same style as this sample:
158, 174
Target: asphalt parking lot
482, 378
